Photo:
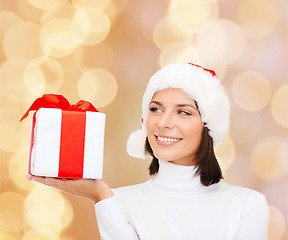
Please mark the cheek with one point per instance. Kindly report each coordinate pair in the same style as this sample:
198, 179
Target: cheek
192, 130
149, 123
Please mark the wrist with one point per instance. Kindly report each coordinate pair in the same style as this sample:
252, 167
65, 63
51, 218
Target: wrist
102, 195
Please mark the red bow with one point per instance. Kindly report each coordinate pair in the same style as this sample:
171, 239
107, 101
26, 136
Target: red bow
59, 101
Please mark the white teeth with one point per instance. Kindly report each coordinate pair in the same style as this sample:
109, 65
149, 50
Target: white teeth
165, 139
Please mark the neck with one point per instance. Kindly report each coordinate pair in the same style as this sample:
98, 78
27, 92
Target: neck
177, 177
183, 162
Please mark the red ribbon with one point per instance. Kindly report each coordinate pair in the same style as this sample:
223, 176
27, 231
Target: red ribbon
59, 101
71, 156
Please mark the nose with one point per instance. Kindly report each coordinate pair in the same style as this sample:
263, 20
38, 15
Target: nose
166, 121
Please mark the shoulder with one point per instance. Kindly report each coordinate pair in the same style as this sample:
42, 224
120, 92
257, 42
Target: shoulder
241, 191
253, 212
245, 196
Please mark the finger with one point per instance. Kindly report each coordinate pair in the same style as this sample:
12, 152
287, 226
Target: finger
29, 177
56, 182
67, 185
46, 181
35, 178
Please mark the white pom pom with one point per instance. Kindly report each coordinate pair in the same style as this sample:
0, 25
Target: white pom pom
136, 144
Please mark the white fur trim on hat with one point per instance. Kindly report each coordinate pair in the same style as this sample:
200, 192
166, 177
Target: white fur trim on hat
136, 143
199, 84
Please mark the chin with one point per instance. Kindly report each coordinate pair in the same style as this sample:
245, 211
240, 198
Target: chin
165, 157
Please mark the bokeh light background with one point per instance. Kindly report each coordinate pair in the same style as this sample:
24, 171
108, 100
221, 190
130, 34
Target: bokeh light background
104, 51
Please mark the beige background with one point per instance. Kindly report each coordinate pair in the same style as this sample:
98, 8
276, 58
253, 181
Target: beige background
104, 52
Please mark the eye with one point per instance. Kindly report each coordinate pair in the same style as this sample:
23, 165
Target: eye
183, 112
154, 109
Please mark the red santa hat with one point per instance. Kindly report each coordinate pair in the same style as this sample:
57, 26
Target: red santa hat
200, 84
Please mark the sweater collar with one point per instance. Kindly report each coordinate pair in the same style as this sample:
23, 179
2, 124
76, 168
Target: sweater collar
177, 177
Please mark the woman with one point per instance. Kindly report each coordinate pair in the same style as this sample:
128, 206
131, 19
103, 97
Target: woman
185, 116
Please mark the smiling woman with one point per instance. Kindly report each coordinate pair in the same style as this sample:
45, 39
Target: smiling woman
193, 146
185, 116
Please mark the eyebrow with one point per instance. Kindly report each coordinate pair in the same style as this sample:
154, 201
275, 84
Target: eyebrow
178, 105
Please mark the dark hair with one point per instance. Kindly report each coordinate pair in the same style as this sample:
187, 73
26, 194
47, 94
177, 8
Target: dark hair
207, 165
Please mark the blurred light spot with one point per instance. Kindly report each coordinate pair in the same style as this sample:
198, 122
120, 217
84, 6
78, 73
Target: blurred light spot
12, 81
234, 174
265, 159
277, 224
241, 125
28, 47
4, 176
8, 19
251, 91
13, 203
258, 54
169, 30
28, 11
65, 237
68, 214
220, 41
53, 228
272, 190
10, 127
47, 4
98, 86
67, 64
5, 236
115, 7
214, 15
190, 11
33, 234
47, 226
279, 107
82, 4
283, 153
178, 52
72, 76
34, 79
98, 56
90, 26
226, 153
57, 39
52, 74
65, 11
8, 222
18, 169
156, 12
211, 1
261, 18
44, 205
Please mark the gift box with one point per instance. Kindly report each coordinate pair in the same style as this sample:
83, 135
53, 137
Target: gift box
66, 140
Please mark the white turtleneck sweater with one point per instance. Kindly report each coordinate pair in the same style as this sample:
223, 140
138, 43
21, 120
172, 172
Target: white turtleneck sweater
174, 205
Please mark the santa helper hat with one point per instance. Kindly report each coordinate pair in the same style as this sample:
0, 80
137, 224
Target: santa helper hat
200, 84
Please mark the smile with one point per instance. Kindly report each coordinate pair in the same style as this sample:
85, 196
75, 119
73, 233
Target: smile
167, 140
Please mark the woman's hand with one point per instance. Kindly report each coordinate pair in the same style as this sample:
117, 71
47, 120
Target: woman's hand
93, 189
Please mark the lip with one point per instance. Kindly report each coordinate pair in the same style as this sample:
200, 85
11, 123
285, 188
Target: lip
166, 144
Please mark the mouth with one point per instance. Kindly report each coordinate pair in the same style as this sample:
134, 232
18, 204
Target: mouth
166, 140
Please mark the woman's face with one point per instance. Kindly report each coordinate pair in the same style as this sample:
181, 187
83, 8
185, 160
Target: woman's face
174, 127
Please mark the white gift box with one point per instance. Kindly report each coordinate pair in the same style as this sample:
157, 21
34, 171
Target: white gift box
67, 144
